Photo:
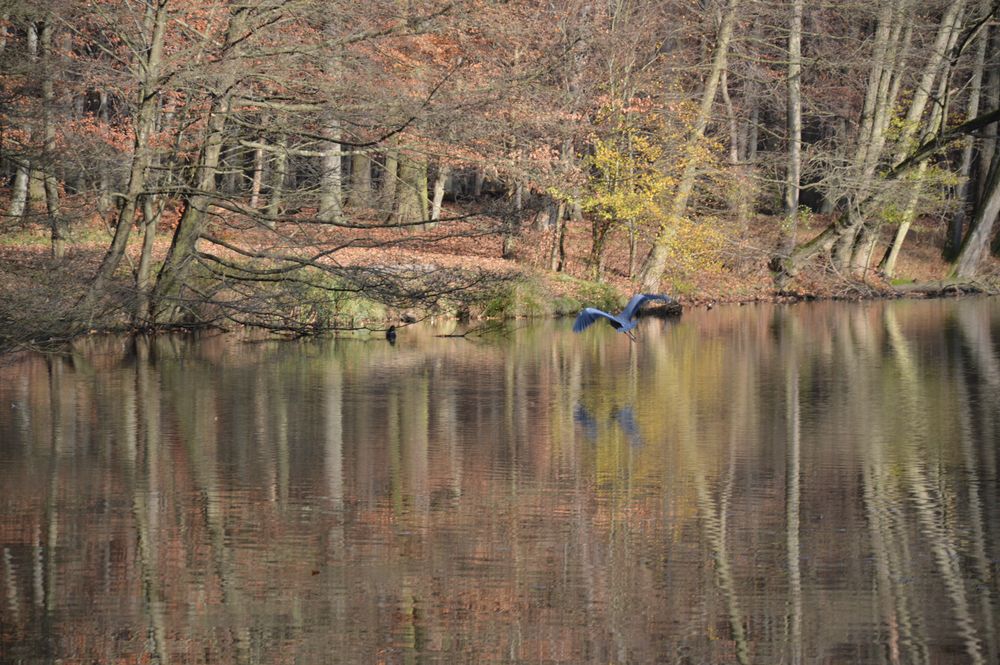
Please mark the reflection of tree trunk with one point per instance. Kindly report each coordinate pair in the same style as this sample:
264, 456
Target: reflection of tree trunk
141, 415
393, 452
416, 443
793, 471
889, 537
926, 499
200, 436
975, 328
334, 440
713, 519
58, 445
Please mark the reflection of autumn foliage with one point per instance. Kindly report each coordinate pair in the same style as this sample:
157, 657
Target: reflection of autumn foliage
202, 499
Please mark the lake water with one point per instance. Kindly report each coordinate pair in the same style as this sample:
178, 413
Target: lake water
805, 484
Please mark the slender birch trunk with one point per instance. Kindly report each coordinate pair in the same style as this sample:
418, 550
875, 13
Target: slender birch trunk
22, 175
852, 248
947, 38
793, 90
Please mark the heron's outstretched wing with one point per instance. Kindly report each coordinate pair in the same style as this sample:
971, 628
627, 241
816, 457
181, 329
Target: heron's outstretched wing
590, 314
638, 300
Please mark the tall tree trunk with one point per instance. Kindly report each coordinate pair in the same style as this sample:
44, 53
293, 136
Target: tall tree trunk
58, 225
977, 242
144, 276
331, 182
558, 225
411, 196
652, 269
258, 177
104, 202
512, 226
171, 280
359, 195
956, 224
439, 182
145, 122
279, 175
891, 37
991, 92
477, 186
390, 180
793, 102
852, 249
951, 32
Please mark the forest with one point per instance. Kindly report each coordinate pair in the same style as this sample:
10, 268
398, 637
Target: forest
313, 165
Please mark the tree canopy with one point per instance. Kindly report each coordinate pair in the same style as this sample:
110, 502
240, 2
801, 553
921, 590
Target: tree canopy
260, 149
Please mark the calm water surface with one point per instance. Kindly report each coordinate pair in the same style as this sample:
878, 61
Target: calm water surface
807, 484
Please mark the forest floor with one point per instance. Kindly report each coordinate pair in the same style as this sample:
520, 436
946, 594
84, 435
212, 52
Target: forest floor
34, 287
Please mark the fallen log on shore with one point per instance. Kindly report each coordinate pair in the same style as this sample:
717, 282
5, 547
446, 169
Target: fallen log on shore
945, 287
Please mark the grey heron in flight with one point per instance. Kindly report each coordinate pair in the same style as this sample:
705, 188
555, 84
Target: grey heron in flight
624, 321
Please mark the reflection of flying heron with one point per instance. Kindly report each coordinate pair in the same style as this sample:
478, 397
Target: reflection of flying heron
624, 416
586, 421
625, 321
626, 420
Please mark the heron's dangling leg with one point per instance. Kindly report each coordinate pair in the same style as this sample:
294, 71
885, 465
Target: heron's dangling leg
630, 334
